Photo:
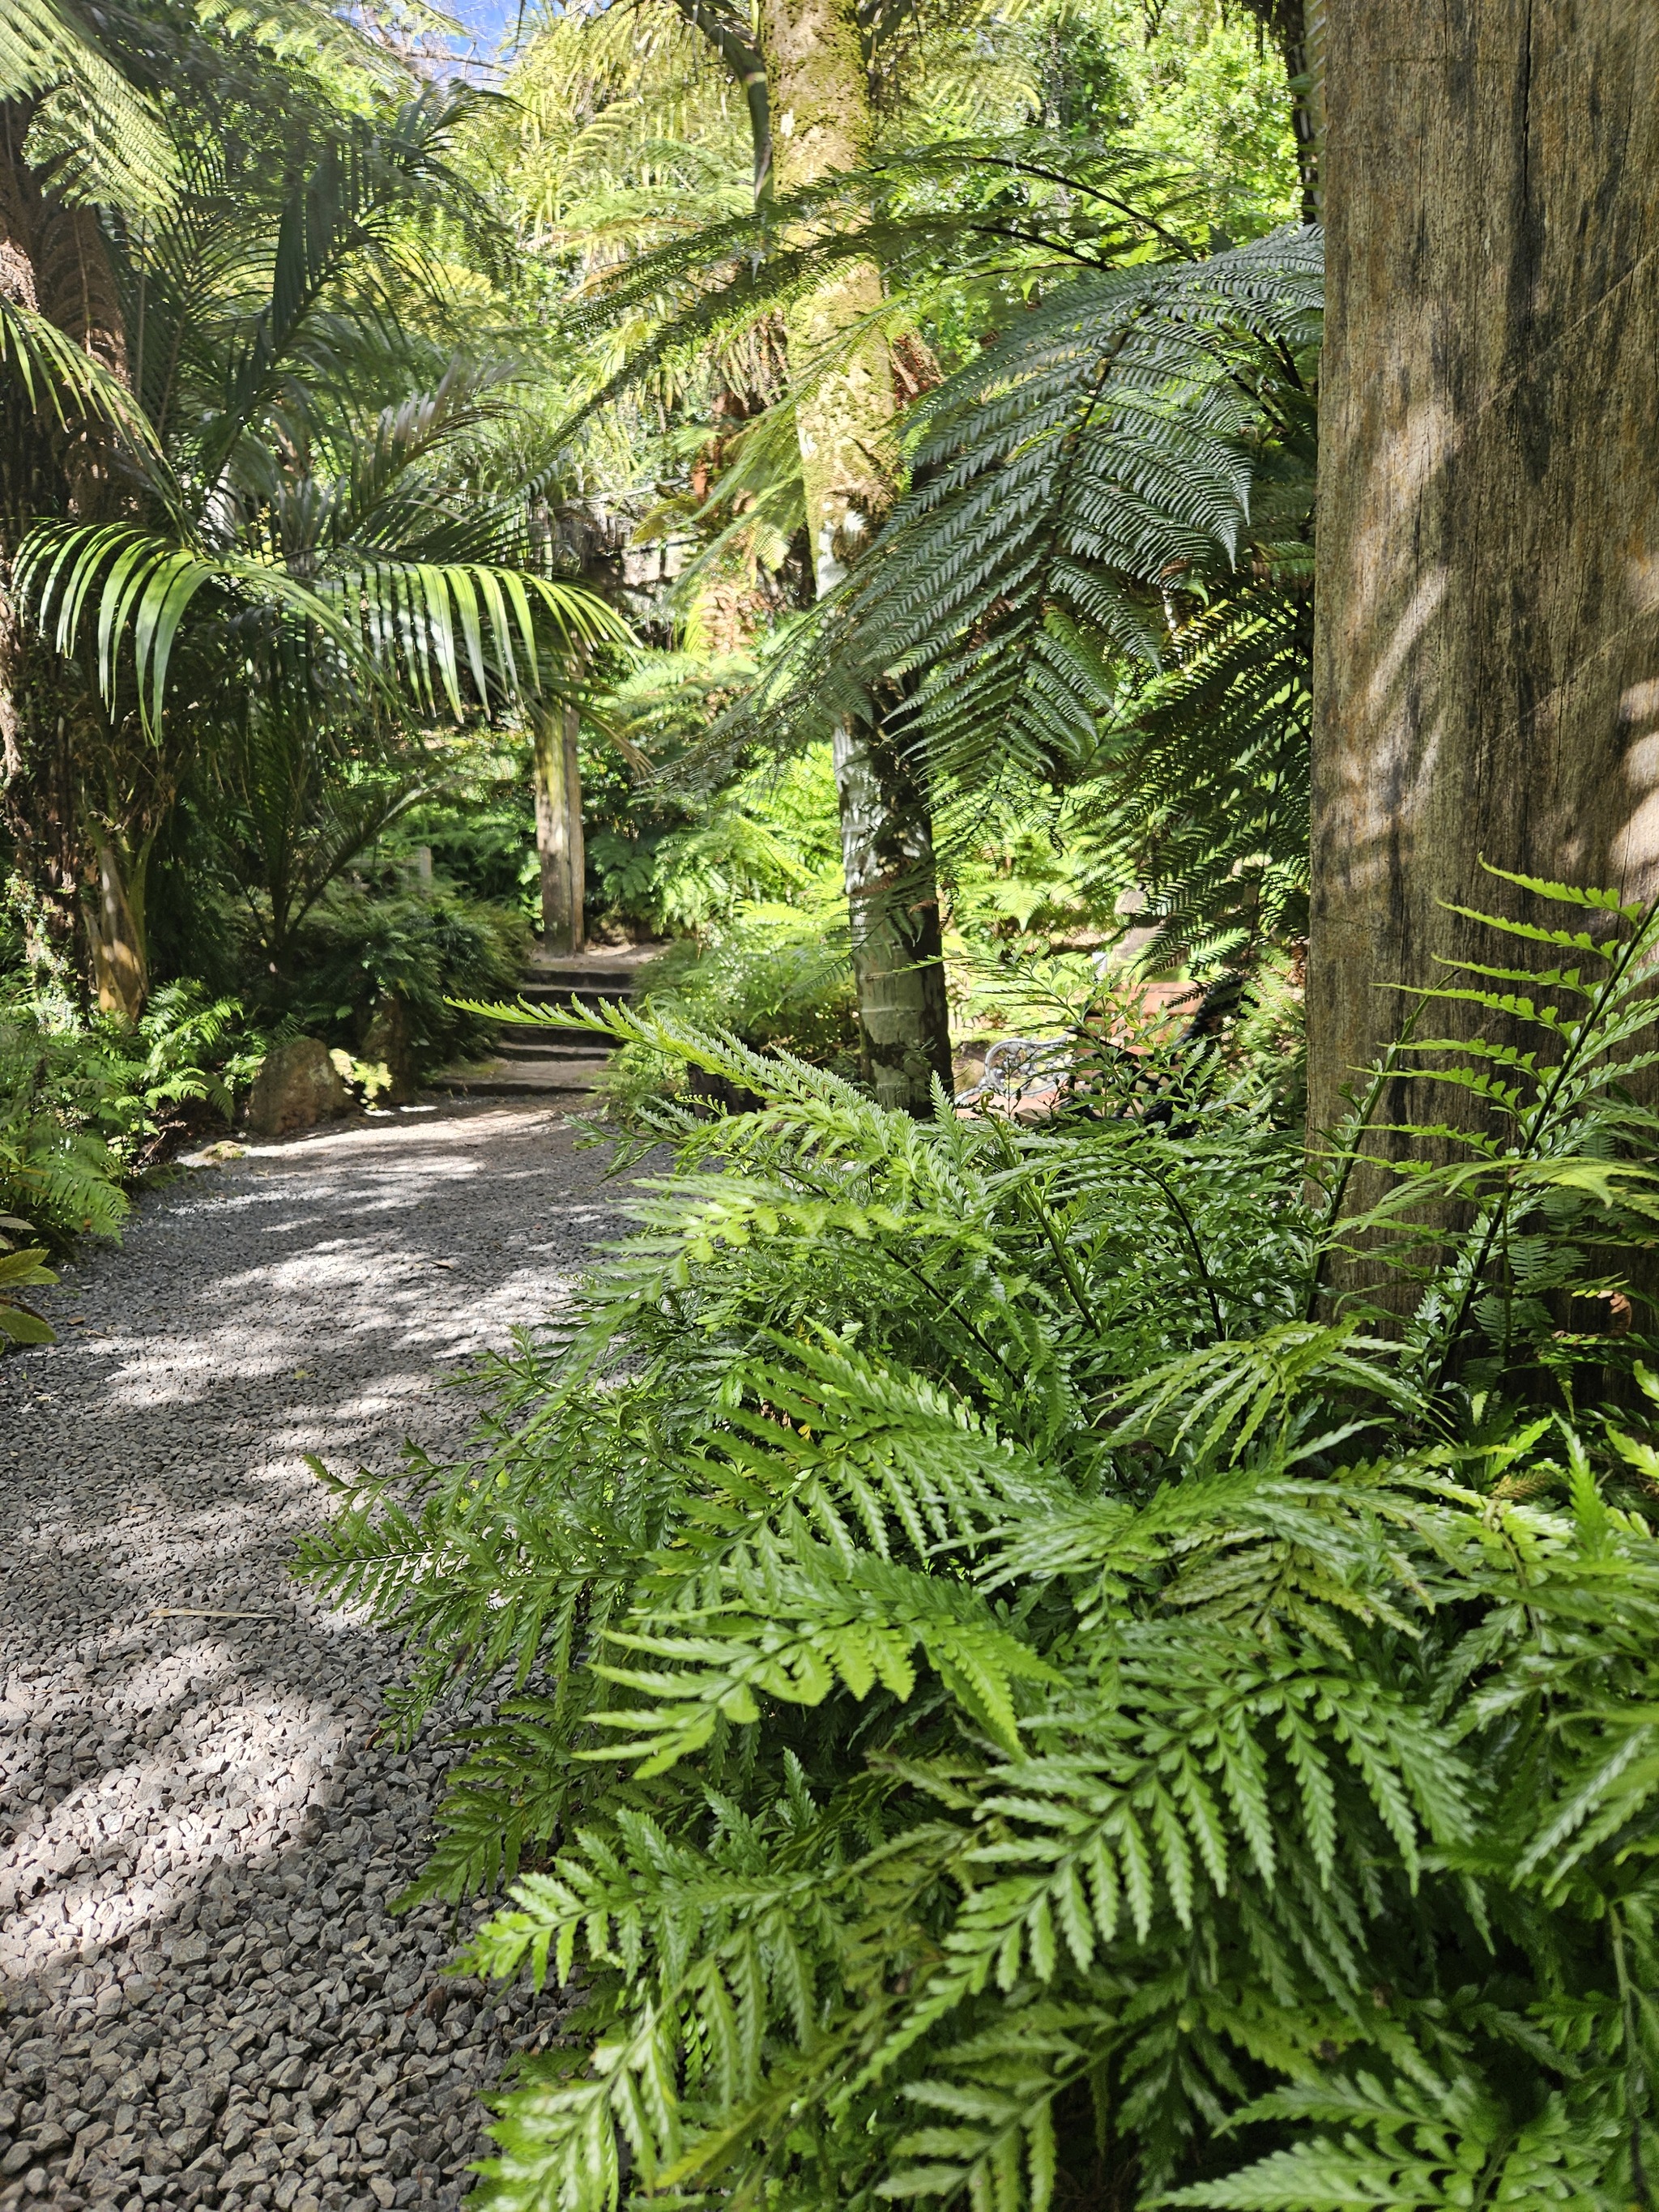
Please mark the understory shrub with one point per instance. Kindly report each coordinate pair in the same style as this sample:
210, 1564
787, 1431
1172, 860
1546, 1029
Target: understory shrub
777, 978
425, 949
662, 860
1032, 1686
88, 1103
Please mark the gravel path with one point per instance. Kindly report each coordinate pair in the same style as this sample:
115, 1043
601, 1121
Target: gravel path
205, 2001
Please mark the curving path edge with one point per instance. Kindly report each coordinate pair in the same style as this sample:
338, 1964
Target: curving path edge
202, 1998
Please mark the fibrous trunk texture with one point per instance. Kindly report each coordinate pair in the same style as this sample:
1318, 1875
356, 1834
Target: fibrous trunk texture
58, 750
117, 938
1487, 649
559, 841
844, 411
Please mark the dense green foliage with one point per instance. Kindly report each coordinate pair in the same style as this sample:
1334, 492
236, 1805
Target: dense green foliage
342, 439
1097, 579
1027, 1694
88, 1103
1062, 1659
274, 553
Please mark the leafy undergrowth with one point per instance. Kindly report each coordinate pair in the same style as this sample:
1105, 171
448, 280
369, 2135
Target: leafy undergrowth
1029, 1696
89, 1104
777, 979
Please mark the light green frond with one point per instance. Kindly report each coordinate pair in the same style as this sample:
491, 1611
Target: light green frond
100, 139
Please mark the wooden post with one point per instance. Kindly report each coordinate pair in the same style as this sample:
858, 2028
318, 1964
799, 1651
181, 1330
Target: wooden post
559, 843
1487, 655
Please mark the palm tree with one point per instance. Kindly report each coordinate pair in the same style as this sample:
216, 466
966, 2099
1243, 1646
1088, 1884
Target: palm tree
267, 508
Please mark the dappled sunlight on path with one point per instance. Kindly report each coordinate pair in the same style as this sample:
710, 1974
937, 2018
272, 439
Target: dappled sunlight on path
198, 1834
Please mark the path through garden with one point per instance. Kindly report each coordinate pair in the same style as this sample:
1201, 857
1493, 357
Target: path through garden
205, 1999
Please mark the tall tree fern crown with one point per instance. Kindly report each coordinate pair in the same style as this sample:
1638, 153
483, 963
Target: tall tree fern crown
1100, 569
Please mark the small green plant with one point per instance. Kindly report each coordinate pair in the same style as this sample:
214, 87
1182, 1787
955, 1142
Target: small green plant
89, 1104
1029, 1690
776, 977
19, 1321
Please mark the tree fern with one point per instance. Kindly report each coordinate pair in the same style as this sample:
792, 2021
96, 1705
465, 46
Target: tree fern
1100, 568
98, 134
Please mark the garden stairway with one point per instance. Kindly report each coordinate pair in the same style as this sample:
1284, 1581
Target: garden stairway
552, 1064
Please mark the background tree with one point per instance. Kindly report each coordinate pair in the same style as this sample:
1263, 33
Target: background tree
844, 409
1297, 29
297, 519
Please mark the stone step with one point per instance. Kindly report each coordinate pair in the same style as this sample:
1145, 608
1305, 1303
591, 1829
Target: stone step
569, 1079
515, 1043
611, 964
538, 992
533, 1062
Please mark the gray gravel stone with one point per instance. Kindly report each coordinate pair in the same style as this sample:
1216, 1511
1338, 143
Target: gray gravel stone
202, 1999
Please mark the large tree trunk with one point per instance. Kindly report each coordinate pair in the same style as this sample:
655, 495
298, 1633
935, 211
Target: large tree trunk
1487, 648
821, 121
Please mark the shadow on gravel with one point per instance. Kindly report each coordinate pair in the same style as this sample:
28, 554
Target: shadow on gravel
198, 1834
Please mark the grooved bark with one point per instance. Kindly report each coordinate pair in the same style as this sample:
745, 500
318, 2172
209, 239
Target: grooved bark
1487, 650
844, 413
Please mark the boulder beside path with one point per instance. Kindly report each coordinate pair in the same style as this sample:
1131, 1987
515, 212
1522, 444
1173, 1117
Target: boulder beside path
298, 1087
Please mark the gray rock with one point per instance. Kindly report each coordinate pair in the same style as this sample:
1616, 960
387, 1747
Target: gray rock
387, 1044
297, 1087
185, 2142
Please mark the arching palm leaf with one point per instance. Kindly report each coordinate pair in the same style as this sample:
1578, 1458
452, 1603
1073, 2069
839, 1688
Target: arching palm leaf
427, 628
62, 379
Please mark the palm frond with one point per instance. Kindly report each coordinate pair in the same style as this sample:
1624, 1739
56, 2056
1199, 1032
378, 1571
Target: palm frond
60, 377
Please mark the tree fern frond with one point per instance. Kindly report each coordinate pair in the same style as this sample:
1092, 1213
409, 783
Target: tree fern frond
93, 131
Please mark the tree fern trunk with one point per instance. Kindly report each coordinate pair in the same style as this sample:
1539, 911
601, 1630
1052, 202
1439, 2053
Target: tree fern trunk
1297, 29
119, 967
1487, 652
820, 124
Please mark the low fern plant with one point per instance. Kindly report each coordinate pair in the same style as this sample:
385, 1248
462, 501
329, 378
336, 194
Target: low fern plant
1026, 1693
